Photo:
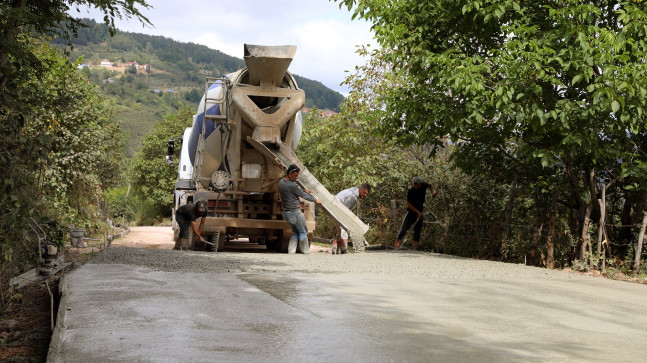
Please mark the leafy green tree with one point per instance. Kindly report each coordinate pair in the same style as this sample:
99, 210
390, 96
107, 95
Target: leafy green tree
121, 205
533, 86
152, 178
58, 153
58, 147
193, 96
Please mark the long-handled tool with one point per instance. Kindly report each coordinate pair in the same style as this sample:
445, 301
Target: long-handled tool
407, 233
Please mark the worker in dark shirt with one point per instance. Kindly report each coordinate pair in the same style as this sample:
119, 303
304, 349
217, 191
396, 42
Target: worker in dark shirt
290, 193
185, 217
415, 204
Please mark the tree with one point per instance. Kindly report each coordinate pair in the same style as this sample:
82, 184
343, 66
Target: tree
58, 144
57, 154
152, 178
535, 86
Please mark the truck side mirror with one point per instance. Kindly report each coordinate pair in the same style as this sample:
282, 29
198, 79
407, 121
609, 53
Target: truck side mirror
171, 147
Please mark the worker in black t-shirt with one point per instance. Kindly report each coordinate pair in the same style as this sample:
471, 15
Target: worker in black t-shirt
185, 217
415, 204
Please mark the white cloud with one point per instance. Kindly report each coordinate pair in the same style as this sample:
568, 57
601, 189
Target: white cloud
215, 41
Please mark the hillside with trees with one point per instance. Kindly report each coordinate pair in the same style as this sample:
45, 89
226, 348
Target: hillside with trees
150, 76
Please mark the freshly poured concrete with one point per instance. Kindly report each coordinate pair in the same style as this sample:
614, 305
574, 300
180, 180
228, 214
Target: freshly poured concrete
176, 306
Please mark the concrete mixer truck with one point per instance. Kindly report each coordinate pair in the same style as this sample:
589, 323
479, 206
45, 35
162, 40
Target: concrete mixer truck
243, 136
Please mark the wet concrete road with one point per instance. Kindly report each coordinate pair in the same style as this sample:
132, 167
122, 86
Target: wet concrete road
115, 312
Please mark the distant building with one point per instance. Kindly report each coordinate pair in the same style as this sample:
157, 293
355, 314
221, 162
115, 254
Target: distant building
322, 113
134, 64
108, 80
105, 63
147, 67
82, 65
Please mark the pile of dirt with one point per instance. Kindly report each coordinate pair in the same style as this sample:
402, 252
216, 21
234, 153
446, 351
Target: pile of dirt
25, 327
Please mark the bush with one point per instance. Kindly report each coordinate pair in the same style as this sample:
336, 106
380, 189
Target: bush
120, 204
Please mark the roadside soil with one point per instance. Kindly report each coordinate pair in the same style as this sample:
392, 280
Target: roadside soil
26, 321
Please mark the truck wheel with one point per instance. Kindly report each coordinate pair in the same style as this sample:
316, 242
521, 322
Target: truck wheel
285, 240
195, 244
272, 245
218, 242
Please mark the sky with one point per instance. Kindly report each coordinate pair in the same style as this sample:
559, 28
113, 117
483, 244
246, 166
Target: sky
325, 36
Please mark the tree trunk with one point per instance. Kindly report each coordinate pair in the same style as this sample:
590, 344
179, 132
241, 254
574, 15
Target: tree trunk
508, 215
477, 233
445, 235
394, 213
550, 243
639, 247
598, 247
585, 239
603, 240
577, 208
536, 236
632, 211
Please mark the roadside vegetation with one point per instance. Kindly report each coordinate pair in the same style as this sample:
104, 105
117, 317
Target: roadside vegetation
540, 105
60, 147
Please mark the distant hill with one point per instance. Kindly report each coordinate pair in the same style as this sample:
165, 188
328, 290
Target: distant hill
151, 76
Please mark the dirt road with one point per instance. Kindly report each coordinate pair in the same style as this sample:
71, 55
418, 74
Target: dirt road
380, 306
161, 238
156, 238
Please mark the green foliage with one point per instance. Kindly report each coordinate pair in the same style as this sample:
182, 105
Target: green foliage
550, 92
59, 150
120, 204
357, 155
152, 178
58, 144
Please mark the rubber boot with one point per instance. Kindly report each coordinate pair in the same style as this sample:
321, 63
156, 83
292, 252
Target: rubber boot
184, 244
292, 245
304, 246
398, 242
178, 244
334, 247
415, 245
342, 246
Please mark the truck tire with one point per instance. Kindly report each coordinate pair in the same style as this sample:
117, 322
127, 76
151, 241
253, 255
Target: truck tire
217, 239
285, 240
195, 244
